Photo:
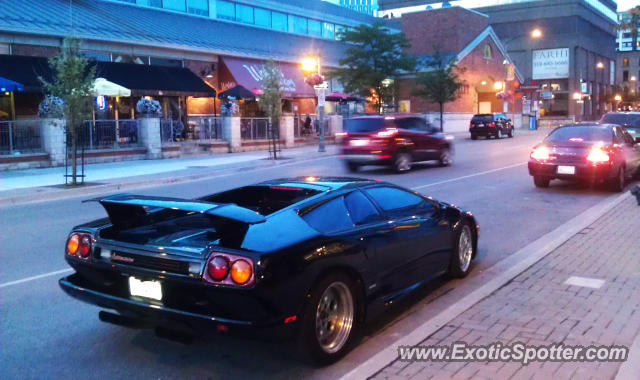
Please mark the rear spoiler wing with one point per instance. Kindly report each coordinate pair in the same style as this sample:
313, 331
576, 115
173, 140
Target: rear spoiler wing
122, 208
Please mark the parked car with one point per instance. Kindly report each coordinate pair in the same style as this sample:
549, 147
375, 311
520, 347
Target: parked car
627, 120
310, 258
490, 125
396, 140
581, 152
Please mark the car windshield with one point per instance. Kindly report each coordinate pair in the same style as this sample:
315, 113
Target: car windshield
620, 118
264, 200
581, 134
482, 118
364, 125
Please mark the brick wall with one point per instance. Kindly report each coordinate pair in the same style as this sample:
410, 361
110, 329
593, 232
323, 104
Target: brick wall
476, 69
446, 29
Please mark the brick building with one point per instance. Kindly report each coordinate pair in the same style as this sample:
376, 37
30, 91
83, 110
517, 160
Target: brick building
464, 36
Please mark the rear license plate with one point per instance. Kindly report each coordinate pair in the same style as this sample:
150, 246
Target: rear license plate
360, 142
146, 289
566, 170
479, 125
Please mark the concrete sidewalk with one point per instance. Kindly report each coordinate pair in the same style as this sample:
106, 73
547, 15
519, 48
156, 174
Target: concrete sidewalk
23, 186
541, 306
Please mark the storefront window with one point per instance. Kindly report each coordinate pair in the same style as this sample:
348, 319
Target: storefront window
176, 5
340, 30
226, 10
279, 21
165, 62
297, 24
97, 56
137, 59
263, 17
244, 13
315, 28
557, 106
328, 30
198, 7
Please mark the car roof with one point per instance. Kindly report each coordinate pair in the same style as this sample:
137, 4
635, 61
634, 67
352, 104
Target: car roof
321, 183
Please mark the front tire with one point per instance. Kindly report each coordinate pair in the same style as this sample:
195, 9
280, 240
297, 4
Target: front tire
445, 157
353, 167
541, 182
464, 247
499, 134
329, 323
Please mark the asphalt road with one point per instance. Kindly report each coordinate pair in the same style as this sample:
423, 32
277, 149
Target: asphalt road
46, 334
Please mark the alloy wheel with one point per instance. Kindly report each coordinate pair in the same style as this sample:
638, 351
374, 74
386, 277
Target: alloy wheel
465, 248
403, 162
334, 317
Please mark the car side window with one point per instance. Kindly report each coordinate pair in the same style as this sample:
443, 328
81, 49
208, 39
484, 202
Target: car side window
619, 136
391, 198
361, 210
330, 216
628, 138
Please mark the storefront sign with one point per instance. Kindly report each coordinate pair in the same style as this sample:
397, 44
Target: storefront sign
511, 72
101, 103
551, 63
612, 72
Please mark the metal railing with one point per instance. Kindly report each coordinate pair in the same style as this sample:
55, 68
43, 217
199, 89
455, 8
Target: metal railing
206, 127
171, 130
301, 129
107, 134
20, 136
256, 128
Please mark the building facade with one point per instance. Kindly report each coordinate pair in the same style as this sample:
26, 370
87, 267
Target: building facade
571, 57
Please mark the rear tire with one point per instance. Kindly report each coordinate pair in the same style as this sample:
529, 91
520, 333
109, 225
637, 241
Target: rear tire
510, 134
463, 251
499, 134
541, 182
474, 137
329, 322
402, 162
617, 183
353, 167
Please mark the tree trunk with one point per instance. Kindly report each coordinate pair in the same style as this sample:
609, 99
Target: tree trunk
74, 154
441, 120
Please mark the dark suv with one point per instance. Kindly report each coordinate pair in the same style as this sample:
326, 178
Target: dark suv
395, 140
488, 125
627, 120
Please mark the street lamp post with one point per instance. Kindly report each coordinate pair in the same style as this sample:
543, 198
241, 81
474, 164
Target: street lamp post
310, 66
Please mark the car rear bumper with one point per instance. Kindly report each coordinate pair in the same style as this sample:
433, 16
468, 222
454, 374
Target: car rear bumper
583, 172
368, 158
482, 131
155, 313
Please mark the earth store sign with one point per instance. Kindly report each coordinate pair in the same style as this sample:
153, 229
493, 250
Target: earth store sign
550, 63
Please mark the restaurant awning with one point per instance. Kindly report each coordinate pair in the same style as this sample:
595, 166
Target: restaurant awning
248, 73
237, 92
142, 80
7, 85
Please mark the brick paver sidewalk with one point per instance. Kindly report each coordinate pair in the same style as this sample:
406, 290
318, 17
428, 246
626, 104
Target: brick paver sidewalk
538, 308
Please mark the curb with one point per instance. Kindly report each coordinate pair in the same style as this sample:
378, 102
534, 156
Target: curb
505, 270
135, 184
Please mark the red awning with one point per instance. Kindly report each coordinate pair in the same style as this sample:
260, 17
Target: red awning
248, 73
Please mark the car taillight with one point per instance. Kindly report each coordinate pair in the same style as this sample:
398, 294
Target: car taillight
218, 268
492, 125
387, 132
227, 269
471, 126
597, 154
79, 243
341, 134
540, 153
241, 271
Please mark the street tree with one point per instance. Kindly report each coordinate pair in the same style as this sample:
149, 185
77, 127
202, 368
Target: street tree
631, 22
440, 82
73, 83
271, 99
373, 56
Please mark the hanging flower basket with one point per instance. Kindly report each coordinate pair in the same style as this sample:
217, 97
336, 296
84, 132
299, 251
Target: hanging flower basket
314, 80
148, 107
51, 107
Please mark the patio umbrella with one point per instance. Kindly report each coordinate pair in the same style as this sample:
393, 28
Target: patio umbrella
103, 87
7, 85
237, 92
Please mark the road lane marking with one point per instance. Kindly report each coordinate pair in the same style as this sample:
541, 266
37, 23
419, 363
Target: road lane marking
469, 176
16, 282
